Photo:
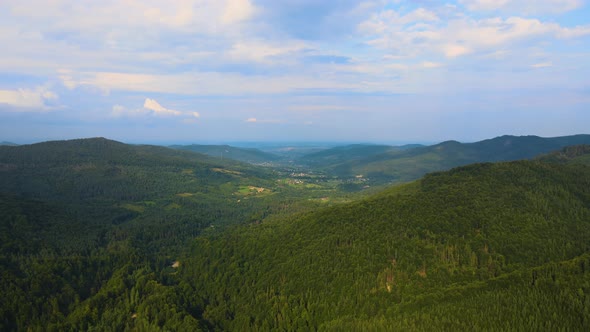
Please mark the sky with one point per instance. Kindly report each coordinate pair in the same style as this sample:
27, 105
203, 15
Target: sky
195, 71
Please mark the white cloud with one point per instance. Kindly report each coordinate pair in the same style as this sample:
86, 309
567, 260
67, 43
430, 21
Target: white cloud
484, 4
523, 6
255, 120
178, 14
110, 35
372, 68
66, 78
205, 15
259, 51
118, 109
27, 99
429, 64
571, 33
216, 47
237, 11
202, 83
382, 22
455, 50
494, 33
542, 65
320, 108
459, 36
153, 105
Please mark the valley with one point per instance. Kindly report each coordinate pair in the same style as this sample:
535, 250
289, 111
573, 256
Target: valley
100, 235
294, 165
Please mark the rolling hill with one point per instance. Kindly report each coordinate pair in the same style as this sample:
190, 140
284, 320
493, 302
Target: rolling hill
570, 154
481, 247
106, 184
103, 169
349, 153
73, 213
410, 164
101, 235
247, 155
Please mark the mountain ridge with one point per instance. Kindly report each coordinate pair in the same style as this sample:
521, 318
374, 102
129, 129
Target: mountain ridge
410, 164
248, 155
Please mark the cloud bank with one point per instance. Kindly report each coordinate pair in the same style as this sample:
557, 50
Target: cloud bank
400, 63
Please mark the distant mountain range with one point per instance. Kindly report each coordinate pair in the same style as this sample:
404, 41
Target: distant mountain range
349, 153
248, 155
398, 164
8, 143
379, 164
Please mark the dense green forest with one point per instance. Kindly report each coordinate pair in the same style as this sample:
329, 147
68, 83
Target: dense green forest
350, 153
247, 155
73, 213
383, 164
487, 246
100, 235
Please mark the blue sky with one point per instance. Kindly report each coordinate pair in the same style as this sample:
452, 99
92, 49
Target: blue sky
293, 70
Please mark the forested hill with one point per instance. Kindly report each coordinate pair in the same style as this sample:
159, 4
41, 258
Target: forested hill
411, 164
96, 150
569, 154
484, 247
348, 153
104, 169
77, 216
100, 235
248, 155
157, 196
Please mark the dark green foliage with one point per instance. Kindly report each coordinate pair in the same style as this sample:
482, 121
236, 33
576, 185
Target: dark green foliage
101, 169
73, 213
401, 165
247, 155
99, 235
348, 153
571, 154
452, 251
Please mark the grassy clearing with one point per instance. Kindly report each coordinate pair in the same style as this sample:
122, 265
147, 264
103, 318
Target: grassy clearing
252, 190
226, 171
134, 207
173, 206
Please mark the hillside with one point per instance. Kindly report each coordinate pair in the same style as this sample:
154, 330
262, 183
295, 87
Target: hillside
349, 153
97, 234
569, 154
74, 212
411, 164
247, 155
487, 246
103, 169
159, 195
82, 216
